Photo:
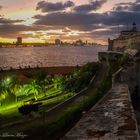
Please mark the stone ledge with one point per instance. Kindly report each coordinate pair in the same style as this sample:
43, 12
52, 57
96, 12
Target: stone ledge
111, 119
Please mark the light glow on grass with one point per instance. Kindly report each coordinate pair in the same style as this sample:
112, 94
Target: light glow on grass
7, 108
10, 112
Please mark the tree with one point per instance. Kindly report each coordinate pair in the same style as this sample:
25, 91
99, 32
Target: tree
31, 88
7, 89
43, 80
58, 82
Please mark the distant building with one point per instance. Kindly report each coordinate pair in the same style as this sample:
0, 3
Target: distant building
127, 39
129, 33
19, 41
79, 43
57, 42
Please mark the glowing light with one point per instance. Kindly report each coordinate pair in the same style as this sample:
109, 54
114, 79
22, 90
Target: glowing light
8, 80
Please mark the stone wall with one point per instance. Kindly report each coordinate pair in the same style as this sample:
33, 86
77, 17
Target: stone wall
128, 75
112, 118
122, 44
109, 55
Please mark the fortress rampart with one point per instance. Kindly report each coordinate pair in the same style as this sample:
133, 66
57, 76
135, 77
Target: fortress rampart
122, 44
113, 117
129, 39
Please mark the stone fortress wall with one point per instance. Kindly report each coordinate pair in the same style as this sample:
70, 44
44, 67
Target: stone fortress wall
122, 44
129, 39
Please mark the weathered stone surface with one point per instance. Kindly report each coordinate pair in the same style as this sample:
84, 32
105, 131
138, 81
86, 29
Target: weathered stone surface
111, 119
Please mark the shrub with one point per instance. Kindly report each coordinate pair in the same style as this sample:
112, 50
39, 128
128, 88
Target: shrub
78, 80
26, 109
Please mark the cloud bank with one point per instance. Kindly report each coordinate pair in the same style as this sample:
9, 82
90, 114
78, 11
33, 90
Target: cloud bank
80, 21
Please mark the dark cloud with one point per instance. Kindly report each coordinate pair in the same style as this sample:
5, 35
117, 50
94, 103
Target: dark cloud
135, 8
67, 19
122, 6
92, 6
11, 30
9, 21
51, 7
103, 34
121, 18
129, 6
99, 25
112, 31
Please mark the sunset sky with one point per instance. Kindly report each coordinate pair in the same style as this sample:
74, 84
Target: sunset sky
44, 21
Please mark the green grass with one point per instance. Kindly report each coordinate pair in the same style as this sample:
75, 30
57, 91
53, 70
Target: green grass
14, 105
52, 98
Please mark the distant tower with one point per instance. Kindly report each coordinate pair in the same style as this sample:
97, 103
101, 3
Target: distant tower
110, 44
134, 28
57, 42
19, 41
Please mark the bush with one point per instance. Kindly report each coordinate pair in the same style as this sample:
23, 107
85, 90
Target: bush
26, 109
78, 80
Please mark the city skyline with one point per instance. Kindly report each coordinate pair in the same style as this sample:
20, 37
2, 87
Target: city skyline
45, 21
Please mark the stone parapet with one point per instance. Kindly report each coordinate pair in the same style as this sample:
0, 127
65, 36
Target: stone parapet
112, 118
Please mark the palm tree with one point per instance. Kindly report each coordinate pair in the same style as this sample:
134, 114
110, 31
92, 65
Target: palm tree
12, 85
4, 91
32, 88
58, 82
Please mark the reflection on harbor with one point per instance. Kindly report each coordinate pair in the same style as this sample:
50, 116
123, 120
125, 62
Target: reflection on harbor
20, 58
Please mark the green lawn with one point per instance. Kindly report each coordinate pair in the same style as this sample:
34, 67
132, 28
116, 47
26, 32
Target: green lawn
53, 97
